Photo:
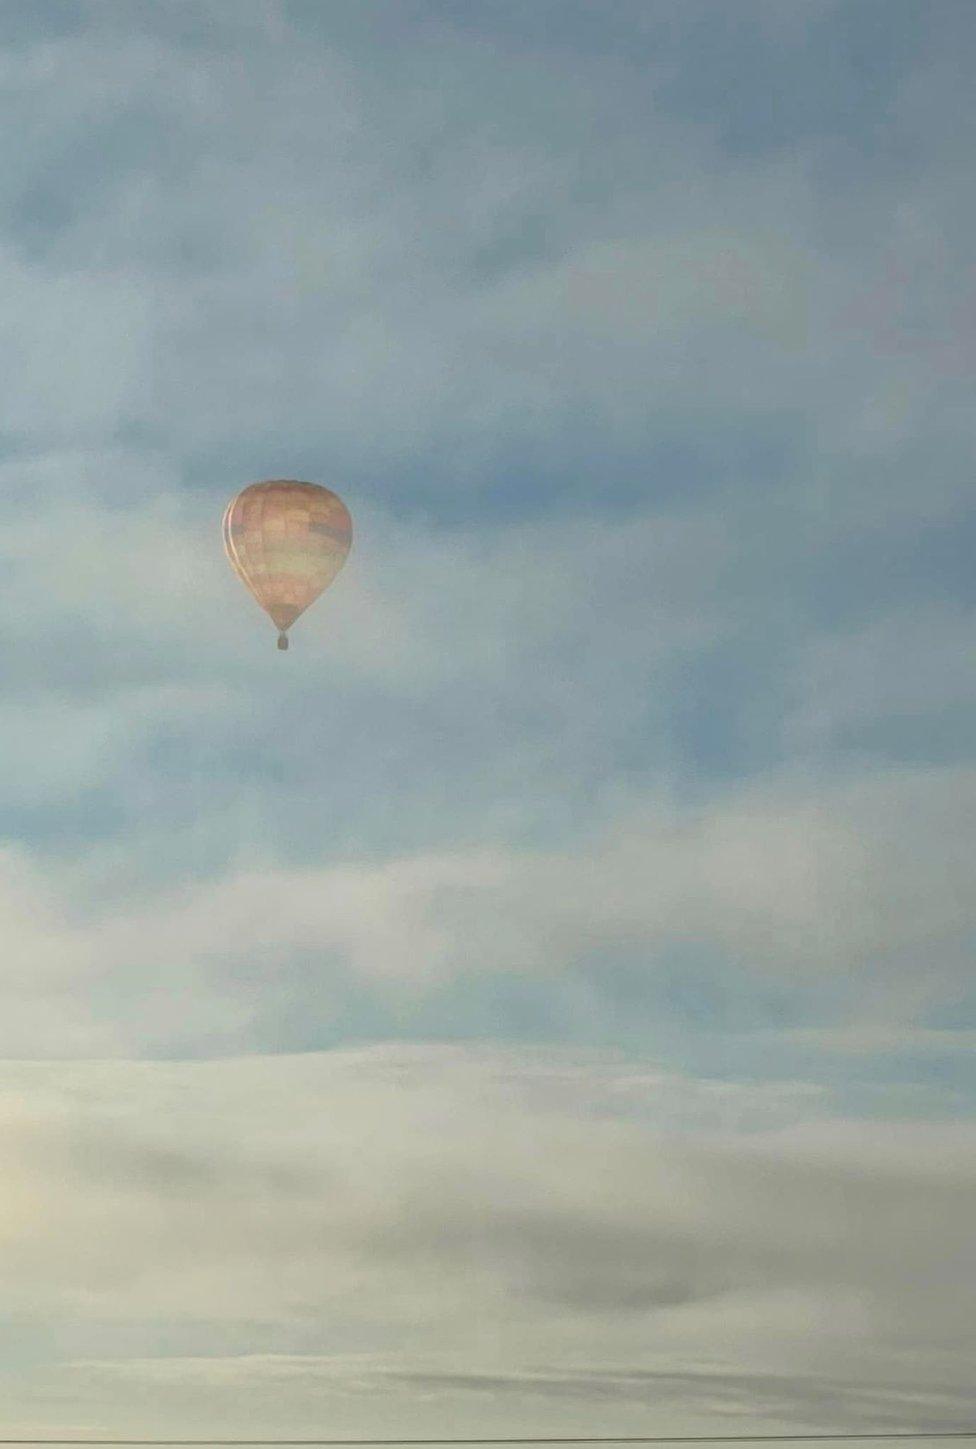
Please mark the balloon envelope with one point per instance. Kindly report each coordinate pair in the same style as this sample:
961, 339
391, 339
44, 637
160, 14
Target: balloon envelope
286, 541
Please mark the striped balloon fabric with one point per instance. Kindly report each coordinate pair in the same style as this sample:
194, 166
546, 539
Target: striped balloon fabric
286, 541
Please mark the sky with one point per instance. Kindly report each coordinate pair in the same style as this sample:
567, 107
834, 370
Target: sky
543, 1000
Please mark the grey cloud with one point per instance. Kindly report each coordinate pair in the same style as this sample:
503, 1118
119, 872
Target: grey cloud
423, 1206
817, 1402
581, 1262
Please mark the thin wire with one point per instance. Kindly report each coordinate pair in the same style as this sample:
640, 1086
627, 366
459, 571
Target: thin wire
553, 1439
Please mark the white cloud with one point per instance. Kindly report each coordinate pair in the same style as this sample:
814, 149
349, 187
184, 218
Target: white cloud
835, 881
865, 882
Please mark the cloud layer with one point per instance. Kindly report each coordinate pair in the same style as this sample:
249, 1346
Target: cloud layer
399, 1238
544, 998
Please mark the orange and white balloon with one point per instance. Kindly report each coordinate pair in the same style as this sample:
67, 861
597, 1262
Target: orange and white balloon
286, 541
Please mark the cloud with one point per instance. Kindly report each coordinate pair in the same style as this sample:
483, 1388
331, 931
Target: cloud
412, 259
291, 1203
622, 454
639, 342
866, 884
906, 677
824, 882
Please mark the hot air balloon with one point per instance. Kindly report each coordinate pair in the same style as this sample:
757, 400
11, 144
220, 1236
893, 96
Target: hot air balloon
286, 541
